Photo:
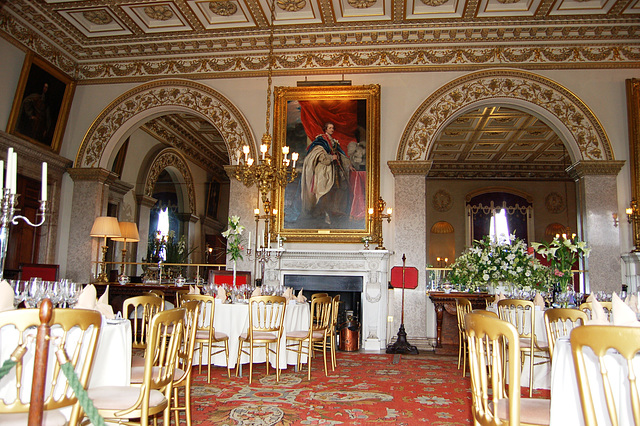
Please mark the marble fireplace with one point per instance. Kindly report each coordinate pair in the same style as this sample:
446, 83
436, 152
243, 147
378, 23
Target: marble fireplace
362, 271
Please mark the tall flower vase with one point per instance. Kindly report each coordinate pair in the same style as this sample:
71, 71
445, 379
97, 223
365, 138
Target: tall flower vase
234, 273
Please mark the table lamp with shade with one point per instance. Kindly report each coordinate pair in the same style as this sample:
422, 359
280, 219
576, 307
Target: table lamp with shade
105, 227
128, 234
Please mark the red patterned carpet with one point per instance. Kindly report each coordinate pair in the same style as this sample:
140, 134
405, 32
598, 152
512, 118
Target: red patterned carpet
364, 389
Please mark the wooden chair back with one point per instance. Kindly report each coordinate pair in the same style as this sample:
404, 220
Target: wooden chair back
605, 341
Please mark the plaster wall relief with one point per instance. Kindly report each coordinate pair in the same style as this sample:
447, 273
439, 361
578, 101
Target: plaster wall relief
170, 158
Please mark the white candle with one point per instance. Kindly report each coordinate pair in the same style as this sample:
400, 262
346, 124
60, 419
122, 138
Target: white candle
269, 243
9, 173
43, 197
1, 178
262, 239
14, 172
249, 240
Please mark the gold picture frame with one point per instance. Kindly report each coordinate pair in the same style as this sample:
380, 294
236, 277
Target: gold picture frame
41, 105
299, 116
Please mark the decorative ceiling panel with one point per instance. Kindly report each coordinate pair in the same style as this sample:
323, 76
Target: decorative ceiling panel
362, 10
221, 14
96, 22
581, 7
434, 9
504, 8
157, 18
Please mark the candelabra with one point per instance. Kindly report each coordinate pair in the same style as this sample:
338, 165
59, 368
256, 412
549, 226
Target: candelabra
263, 252
633, 216
376, 216
10, 200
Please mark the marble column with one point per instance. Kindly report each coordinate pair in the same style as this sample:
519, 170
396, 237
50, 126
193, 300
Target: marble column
243, 199
597, 201
410, 240
90, 199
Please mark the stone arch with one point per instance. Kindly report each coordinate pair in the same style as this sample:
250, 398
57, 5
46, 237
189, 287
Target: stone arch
156, 98
574, 122
171, 158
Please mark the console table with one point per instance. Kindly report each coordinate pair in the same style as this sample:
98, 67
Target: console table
447, 319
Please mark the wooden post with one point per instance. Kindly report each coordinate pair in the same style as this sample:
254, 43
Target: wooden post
36, 406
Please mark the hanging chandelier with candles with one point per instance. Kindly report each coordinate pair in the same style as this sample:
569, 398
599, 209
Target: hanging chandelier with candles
263, 171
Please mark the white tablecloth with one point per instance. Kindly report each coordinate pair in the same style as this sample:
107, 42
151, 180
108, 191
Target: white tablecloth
233, 320
566, 409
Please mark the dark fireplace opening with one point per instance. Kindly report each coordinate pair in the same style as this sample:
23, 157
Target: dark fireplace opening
348, 287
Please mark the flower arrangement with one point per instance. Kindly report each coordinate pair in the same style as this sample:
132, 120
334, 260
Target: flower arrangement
167, 249
562, 253
489, 263
233, 234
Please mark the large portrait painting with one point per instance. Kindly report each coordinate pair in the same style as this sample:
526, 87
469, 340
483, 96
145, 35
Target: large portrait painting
335, 131
41, 105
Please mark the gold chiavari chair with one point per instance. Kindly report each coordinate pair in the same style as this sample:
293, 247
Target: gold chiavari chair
493, 403
559, 322
333, 330
463, 307
319, 323
140, 310
138, 403
587, 308
603, 339
266, 325
314, 295
522, 315
207, 337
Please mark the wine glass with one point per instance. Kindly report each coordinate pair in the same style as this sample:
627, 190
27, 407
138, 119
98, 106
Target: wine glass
19, 291
35, 293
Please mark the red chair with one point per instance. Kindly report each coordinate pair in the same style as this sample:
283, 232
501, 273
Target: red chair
226, 277
39, 270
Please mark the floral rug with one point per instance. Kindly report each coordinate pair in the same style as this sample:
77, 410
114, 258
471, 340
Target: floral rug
364, 389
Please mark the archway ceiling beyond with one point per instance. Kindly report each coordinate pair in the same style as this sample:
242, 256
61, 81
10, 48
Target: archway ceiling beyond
498, 143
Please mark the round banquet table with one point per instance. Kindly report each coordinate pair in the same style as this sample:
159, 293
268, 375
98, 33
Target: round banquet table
566, 409
233, 320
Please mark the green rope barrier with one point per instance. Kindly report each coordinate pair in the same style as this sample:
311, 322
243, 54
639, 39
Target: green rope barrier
6, 367
85, 402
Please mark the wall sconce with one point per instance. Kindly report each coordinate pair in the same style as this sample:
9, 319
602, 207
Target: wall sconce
376, 215
615, 219
633, 216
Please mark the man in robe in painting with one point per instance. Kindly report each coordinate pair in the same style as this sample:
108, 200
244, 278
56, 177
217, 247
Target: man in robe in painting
325, 178
34, 118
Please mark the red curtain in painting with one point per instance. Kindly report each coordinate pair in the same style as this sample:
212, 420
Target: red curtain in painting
343, 114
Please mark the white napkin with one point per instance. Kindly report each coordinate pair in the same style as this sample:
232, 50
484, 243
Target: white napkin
591, 298
538, 300
194, 289
499, 297
598, 317
87, 298
6, 296
256, 292
221, 294
622, 313
632, 301
103, 306
288, 294
301, 298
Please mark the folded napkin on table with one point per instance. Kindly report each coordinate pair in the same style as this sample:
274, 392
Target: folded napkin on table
598, 317
103, 306
591, 298
499, 297
288, 294
221, 294
194, 289
301, 298
87, 298
6, 296
622, 313
256, 292
538, 300
632, 301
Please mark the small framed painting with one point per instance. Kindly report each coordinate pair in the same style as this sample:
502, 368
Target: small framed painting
336, 133
41, 104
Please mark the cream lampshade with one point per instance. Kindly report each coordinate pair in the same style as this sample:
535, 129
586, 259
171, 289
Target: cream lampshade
105, 227
128, 234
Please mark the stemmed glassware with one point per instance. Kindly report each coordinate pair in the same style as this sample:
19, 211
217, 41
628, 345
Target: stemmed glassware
19, 291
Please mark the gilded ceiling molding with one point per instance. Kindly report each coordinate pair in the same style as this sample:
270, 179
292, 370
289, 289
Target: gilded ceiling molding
585, 168
505, 84
124, 112
171, 158
409, 167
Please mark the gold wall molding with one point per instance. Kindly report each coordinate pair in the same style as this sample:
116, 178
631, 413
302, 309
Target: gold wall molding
167, 95
633, 117
520, 87
166, 159
95, 174
409, 167
584, 168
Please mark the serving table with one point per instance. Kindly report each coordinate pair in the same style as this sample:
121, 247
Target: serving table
447, 319
233, 320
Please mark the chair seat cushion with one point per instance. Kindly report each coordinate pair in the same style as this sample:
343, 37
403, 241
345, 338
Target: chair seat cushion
300, 334
535, 411
137, 374
137, 361
49, 418
204, 335
122, 397
260, 335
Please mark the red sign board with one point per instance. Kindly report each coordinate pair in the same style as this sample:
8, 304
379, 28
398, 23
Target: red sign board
410, 277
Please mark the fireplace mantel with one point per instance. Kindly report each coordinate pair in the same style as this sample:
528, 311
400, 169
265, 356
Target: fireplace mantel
371, 265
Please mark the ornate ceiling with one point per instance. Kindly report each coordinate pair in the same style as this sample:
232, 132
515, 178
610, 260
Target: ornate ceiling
97, 41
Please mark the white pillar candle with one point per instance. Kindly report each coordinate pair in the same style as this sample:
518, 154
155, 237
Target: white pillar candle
43, 197
14, 172
9, 173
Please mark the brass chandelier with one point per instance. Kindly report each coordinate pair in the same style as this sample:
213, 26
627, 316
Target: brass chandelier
264, 172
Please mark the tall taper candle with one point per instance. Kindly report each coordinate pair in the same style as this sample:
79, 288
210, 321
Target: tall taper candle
43, 197
1, 178
9, 173
14, 172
